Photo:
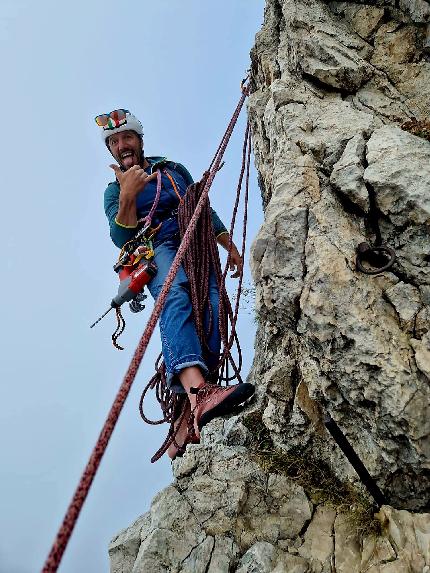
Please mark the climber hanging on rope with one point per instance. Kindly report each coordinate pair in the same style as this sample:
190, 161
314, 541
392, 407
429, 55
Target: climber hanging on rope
190, 337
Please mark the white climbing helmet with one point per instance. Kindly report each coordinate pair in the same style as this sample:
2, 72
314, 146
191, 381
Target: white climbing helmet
117, 121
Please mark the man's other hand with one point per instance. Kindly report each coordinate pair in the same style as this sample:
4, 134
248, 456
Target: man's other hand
236, 262
131, 182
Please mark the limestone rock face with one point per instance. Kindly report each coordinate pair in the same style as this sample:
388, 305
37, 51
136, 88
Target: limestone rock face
332, 156
332, 84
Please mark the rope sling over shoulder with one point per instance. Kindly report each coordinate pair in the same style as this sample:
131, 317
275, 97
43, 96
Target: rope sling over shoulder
199, 198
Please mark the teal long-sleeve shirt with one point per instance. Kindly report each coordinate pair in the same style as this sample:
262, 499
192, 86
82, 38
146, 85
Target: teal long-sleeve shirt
166, 208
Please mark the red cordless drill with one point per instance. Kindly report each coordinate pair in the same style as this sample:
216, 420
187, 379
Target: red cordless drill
131, 284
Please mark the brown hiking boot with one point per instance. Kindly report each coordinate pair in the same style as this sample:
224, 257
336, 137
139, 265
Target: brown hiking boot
213, 401
185, 433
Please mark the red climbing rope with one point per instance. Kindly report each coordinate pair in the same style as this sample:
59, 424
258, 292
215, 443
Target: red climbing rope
66, 529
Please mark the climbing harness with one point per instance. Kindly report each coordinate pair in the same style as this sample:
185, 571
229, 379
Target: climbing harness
353, 458
135, 269
129, 266
379, 256
63, 536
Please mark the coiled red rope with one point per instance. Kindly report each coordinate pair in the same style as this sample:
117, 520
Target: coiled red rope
66, 529
200, 260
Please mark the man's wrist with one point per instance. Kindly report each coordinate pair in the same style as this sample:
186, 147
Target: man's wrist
126, 216
126, 193
124, 226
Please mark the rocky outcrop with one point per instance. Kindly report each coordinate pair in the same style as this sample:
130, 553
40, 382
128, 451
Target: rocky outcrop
224, 513
268, 490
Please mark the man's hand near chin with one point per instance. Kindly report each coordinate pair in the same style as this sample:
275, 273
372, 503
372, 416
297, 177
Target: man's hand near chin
131, 182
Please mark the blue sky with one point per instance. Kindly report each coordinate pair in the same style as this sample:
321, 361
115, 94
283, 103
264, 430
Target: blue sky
177, 66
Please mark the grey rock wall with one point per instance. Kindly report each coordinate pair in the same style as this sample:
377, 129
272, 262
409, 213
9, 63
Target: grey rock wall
326, 120
268, 490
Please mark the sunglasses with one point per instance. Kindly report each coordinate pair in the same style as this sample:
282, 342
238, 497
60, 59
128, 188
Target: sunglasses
113, 119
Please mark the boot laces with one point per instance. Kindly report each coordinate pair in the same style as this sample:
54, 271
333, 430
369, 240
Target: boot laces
204, 393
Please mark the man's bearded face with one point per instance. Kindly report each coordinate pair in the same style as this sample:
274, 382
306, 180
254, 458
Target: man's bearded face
126, 147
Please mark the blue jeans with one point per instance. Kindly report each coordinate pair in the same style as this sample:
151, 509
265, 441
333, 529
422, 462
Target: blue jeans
180, 344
